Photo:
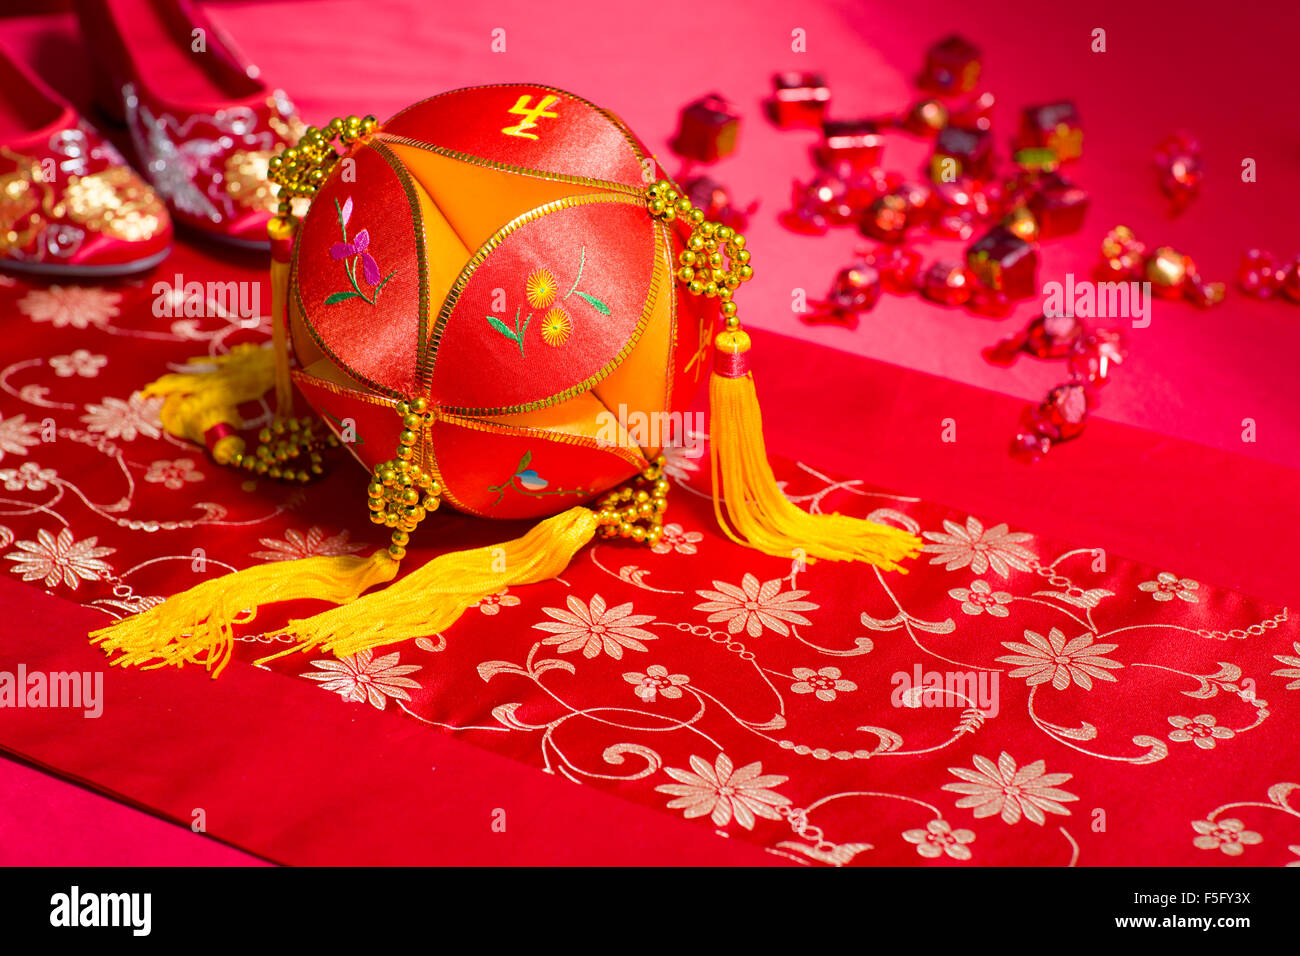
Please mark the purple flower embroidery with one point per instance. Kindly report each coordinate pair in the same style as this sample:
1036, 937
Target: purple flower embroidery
349, 252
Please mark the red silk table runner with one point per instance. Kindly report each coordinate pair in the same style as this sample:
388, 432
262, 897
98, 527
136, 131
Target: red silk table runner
1080, 707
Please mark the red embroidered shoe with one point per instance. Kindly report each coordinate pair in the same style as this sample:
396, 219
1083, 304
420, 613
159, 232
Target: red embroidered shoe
202, 124
69, 204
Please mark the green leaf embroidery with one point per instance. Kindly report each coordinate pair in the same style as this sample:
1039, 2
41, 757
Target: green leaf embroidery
595, 303
523, 462
501, 327
341, 297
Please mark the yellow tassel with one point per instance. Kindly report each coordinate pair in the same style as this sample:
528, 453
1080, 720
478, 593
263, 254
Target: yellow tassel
431, 598
750, 508
199, 399
196, 626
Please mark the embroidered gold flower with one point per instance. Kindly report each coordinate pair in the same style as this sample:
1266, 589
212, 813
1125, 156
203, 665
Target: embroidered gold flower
18, 203
246, 179
556, 326
113, 201
541, 288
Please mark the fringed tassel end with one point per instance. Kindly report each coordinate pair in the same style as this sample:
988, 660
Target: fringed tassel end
197, 626
202, 404
749, 505
431, 598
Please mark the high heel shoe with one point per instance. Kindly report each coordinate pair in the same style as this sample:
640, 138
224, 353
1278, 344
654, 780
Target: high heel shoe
201, 122
69, 204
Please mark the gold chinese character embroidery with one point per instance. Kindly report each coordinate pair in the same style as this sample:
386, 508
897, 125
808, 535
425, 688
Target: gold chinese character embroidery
531, 114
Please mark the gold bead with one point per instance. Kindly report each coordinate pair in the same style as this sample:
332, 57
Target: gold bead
738, 241
625, 530
403, 409
407, 437
396, 551
696, 287
401, 537
686, 274
419, 406
728, 308
725, 232
638, 534
687, 257
732, 321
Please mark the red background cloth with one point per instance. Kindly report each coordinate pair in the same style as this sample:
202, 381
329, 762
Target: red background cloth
1192, 375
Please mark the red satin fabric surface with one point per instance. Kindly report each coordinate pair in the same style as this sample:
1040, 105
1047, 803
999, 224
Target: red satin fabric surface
1200, 515
743, 694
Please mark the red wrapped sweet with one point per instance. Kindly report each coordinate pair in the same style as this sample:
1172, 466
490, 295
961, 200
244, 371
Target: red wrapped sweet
1095, 355
899, 267
1260, 274
798, 100
962, 153
1003, 261
849, 146
948, 283
707, 129
925, 118
715, 199
1059, 206
952, 65
976, 113
1053, 126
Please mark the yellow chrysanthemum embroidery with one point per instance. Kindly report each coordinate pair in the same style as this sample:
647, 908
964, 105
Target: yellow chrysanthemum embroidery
541, 288
556, 327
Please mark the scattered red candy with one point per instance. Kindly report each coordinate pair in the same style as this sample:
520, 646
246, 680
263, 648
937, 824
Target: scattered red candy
1261, 274
899, 268
1061, 417
1046, 337
976, 113
1093, 356
715, 200
1059, 206
849, 146
947, 282
925, 118
951, 66
798, 100
886, 218
1178, 159
961, 152
1123, 255
1291, 283
1005, 262
707, 129
1166, 270
1053, 126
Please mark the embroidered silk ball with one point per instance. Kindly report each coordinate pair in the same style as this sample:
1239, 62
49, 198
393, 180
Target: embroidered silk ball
492, 253
490, 309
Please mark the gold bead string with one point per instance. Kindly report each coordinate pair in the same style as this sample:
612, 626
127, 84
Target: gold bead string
702, 266
300, 170
636, 513
402, 493
290, 450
